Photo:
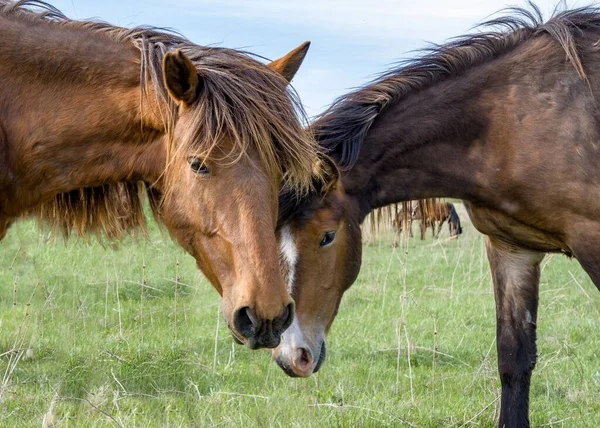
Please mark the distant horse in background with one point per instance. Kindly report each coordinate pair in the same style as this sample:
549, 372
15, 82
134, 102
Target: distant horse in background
454, 225
404, 216
95, 116
506, 120
436, 214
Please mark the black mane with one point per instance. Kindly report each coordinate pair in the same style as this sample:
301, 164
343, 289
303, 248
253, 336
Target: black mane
342, 128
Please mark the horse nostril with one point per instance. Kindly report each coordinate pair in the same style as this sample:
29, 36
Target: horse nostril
303, 363
258, 332
281, 323
245, 322
305, 357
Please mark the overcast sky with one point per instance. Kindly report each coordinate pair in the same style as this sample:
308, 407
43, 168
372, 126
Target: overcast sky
352, 40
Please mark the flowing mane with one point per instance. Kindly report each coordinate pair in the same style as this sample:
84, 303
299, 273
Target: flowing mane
241, 98
342, 128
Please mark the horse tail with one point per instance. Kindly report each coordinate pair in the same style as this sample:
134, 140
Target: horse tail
455, 219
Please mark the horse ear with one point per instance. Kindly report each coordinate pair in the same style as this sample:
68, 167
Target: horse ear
181, 77
331, 173
288, 65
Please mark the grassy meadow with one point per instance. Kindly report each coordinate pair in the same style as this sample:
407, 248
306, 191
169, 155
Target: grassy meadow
92, 336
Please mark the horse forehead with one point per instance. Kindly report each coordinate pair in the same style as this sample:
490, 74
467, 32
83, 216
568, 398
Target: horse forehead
331, 210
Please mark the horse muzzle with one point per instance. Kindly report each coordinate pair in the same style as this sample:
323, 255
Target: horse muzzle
259, 333
300, 361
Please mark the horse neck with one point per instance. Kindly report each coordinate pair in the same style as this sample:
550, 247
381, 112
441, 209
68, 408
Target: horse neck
71, 111
423, 147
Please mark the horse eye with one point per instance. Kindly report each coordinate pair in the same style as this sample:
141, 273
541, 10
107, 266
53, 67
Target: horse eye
328, 238
198, 166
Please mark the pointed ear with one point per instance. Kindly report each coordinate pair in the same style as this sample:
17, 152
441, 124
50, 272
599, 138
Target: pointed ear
288, 65
331, 173
181, 77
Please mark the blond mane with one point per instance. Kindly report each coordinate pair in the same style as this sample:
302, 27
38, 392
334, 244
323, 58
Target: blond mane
241, 99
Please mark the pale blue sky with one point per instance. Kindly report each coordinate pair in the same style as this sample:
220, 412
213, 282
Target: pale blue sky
352, 40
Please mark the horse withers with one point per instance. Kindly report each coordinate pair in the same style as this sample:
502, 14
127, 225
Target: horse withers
95, 116
506, 121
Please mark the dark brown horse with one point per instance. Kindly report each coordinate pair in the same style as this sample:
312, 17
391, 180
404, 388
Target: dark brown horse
506, 120
435, 216
94, 116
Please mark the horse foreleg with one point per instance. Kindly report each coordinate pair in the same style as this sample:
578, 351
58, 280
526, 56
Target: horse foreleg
439, 229
516, 276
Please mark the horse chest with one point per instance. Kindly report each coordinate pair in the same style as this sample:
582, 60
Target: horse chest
510, 229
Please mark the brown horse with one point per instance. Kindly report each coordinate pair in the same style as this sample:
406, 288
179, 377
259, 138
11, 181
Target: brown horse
93, 116
506, 120
435, 216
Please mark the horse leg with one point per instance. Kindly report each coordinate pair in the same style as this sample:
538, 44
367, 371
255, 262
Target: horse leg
398, 226
439, 228
516, 276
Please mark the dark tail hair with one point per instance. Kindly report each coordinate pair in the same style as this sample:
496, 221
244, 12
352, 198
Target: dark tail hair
454, 220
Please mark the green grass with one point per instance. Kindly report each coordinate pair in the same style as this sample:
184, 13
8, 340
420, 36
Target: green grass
83, 343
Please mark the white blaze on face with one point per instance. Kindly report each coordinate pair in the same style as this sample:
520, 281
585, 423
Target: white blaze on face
291, 340
289, 255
